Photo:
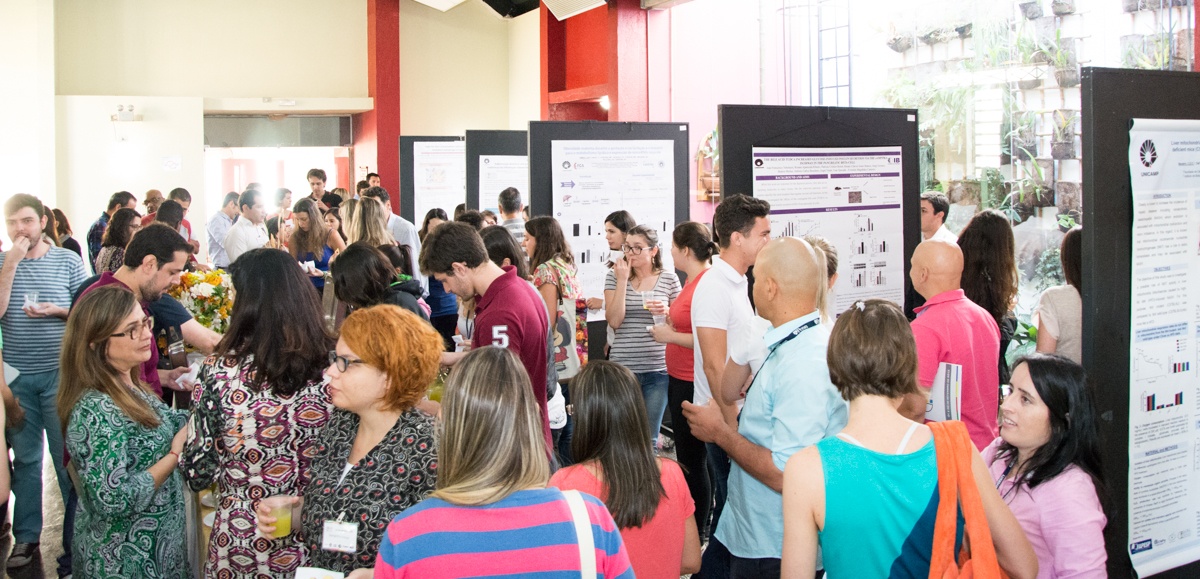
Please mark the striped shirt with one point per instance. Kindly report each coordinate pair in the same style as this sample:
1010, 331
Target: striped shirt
634, 347
529, 533
34, 343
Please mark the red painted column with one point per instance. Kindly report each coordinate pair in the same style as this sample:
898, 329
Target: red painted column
377, 132
628, 80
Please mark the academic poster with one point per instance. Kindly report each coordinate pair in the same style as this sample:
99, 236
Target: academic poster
439, 176
852, 197
1164, 410
499, 172
594, 178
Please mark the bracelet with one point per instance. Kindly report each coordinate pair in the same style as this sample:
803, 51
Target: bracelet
174, 453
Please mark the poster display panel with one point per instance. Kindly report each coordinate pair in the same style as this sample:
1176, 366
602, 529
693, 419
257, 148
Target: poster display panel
499, 172
593, 178
439, 176
851, 196
1164, 412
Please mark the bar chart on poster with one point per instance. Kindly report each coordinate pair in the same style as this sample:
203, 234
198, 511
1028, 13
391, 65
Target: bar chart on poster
852, 197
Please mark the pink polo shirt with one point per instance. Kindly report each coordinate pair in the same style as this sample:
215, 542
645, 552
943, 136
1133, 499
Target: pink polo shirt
1061, 517
951, 328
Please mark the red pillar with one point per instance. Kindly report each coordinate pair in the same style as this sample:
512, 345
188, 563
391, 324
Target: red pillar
377, 132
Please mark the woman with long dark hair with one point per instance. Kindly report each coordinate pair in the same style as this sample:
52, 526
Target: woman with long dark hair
1060, 309
124, 223
62, 228
258, 408
616, 226
989, 276
313, 241
555, 277
443, 307
364, 277
1046, 465
647, 496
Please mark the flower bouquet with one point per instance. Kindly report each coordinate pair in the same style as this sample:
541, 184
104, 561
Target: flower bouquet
208, 296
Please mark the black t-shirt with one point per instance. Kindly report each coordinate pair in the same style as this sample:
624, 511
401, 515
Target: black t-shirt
331, 200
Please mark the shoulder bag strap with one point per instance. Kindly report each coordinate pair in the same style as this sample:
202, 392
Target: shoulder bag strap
583, 531
942, 558
982, 551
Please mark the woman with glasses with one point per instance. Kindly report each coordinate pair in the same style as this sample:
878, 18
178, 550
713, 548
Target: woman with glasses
258, 409
123, 442
124, 223
637, 293
376, 457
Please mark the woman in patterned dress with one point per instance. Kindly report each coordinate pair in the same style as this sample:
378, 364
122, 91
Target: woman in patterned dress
123, 443
376, 457
257, 411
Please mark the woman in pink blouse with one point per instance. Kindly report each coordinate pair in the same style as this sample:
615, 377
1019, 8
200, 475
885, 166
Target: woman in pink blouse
1046, 465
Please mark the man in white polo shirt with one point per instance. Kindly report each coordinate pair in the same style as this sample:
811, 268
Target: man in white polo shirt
249, 232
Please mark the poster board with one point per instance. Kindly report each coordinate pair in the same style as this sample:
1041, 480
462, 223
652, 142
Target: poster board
432, 174
1112, 346
582, 171
496, 160
847, 174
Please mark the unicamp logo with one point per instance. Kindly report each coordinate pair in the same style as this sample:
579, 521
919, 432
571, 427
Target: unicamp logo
1148, 154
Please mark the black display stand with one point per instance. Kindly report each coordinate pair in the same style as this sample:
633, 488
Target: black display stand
743, 127
407, 190
481, 143
1112, 98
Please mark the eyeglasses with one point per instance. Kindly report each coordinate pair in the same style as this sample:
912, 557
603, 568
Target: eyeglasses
342, 363
135, 329
633, 249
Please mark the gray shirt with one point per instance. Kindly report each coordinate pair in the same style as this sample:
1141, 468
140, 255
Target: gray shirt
515, 226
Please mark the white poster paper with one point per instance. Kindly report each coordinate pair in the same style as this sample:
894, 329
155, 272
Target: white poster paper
594, 178
439, 176
499, 172
852, 197
1164, 414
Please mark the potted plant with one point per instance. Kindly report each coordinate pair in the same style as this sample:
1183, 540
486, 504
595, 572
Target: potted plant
1061, 54
707, 168
1062, 7
1129, 6
937, 36
900, 43
1031, 10
1023, 136
1063, 145
964, 30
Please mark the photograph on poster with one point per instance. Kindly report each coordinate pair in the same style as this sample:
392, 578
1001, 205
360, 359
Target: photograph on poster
594, 178
439, 175
850, 196
1164, 410
499, 172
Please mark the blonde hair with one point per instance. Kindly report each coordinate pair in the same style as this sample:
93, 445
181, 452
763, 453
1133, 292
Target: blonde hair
349, 215
370, 225
827, 252
491, 442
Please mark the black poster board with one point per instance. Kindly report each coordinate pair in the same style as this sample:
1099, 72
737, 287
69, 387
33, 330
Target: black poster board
481, 143
743, 127
407, 188
1112, 98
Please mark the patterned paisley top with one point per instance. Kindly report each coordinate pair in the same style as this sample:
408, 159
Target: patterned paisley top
560, 274
396, 474
253, 444
124, 527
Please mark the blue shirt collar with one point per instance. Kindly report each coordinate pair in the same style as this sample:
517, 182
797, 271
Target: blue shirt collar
775, 335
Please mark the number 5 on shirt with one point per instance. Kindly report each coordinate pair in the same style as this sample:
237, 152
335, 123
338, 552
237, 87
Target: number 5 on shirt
500, 336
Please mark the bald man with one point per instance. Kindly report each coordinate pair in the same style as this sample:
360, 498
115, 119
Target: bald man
791, 404
951, 328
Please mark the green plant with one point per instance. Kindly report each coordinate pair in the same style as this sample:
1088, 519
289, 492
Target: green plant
1058, 52
991, 188
1066, 221
1153, 54
1048, 271
993, 43
1064, 125
709, 148
943, 109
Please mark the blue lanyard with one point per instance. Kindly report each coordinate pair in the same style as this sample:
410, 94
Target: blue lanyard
800, 330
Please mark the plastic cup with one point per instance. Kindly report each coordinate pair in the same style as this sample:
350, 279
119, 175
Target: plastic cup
647, 297
281, 510
31, 299
660, 320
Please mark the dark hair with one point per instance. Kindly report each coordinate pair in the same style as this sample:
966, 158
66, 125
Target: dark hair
551, 243
1074, 434
117, 232
337, 214
316, 238
120, 199
369, 175
1071, 254
281, 194
318, 173
51, 229
157, 239
180, 194
459, 210
435, 213
695, 237
22, 200
510, 200
380, 194
62, 226
738, 213
248, 198
451, 243
170, 212
230, 197
400, 256
651, 236
277, 319
362, 275
872, 352
361, 186
939, 202
989, 276
610, 428
255, 185
504, 246
488, 214
471, 217
622, 220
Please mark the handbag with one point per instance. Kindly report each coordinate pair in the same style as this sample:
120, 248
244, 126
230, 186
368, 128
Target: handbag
583, 534
957, 490
562, 332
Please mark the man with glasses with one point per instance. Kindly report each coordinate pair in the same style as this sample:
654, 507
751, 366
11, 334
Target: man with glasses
36, 283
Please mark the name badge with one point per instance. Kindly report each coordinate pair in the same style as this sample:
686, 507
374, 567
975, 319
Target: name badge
340, 537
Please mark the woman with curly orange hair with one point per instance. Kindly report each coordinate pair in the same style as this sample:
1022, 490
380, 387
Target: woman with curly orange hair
376, 457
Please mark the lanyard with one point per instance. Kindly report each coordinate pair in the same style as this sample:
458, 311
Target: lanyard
800, 330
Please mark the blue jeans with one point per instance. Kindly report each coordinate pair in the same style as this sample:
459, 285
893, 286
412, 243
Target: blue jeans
654, 392
38, 393
716, 559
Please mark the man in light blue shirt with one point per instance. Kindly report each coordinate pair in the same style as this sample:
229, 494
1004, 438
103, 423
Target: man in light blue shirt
218, 228
790, 404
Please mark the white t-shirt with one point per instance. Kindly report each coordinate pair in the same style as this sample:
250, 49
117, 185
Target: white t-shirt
943, 233
749, 349
721, 302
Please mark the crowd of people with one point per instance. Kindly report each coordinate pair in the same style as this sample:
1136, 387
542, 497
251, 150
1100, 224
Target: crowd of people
326, 421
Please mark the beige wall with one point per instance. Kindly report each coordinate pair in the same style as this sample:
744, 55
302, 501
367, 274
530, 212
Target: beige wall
524, 70
213, 48
27, 98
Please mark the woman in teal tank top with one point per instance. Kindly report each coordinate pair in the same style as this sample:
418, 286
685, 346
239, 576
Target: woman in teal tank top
869, 496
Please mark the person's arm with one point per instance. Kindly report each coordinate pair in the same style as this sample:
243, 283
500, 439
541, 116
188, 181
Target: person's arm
5, 483
200, 337
928, 358
733, 381
1045, 342
713, 349
708, 424
803, 497
169, 379
665, 334
549, 293
8, 272
1013, 550
691, 547
614, 297
335, 241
